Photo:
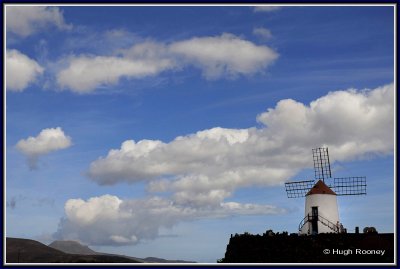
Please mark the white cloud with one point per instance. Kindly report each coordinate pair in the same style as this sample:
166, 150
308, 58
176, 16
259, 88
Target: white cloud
86, 73
266, 8
21, 70
262, 32
208, 166
48, 140
147, 50
225, 55
108, 220
351, 122
26, 20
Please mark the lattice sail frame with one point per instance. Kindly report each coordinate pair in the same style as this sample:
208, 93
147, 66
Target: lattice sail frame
322, 169
322, 166
350, 186
297, 189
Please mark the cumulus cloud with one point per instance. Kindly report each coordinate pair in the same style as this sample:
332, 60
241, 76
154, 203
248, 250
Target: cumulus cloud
26, 20
266, 8
20, 70
85, 73
48, 140
352, 123
262, 33
225, 55
108, 220
213, 163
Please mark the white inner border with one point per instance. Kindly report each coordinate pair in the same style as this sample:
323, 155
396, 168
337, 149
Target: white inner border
5, 5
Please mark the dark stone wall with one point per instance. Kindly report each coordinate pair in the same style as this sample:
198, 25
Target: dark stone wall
321, 248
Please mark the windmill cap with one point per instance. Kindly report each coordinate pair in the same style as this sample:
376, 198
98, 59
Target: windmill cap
320, 188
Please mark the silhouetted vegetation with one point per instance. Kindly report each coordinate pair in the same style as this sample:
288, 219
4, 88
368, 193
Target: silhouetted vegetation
370, 230
278, 247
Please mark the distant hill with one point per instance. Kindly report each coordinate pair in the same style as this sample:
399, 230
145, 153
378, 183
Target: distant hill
159, 260
20, 250
72, 247
25, 250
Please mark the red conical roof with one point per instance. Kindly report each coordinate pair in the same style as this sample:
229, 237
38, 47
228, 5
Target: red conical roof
321, 188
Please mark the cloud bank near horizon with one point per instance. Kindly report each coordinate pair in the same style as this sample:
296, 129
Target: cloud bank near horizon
109, 220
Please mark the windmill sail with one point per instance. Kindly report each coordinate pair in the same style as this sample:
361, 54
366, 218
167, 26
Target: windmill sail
350, 186
298, 188
322, 171
322, 167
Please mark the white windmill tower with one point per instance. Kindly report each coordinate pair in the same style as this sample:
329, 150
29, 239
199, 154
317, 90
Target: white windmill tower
321, 208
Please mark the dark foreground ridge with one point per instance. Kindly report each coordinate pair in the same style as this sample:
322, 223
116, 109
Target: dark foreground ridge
321, 248
30, 251
19, 250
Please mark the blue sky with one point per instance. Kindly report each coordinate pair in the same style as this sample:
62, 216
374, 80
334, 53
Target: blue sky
208, 111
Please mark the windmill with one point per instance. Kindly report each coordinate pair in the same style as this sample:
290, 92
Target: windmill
321, 210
